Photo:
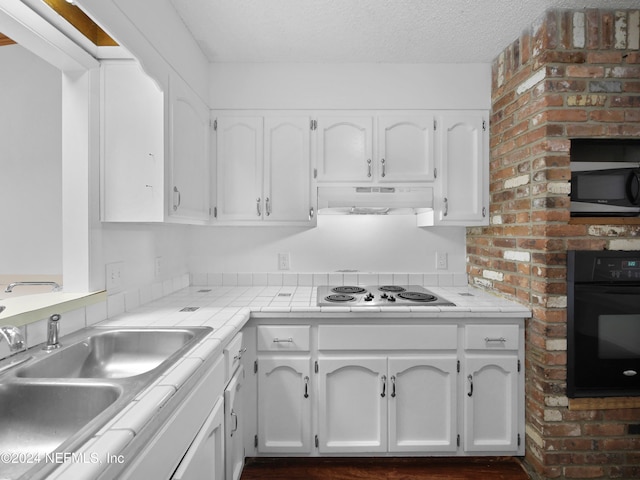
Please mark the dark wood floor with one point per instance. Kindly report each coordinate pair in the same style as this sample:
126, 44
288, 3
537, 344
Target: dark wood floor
384, 469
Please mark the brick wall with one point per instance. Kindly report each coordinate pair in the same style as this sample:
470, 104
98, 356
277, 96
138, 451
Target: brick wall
573, 74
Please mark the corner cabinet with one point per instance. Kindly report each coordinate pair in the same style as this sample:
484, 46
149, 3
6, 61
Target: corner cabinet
462, 190
189, 159
263, 170
154, 148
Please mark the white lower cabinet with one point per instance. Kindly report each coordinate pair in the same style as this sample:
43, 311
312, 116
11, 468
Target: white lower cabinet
422, 404
352, 407
394, 404
205, 457
389, 389
491, 403
233, 426
284, 404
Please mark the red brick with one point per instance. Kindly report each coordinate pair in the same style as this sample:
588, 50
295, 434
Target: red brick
584, 472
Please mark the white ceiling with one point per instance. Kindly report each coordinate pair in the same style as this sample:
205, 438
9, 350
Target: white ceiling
396, 31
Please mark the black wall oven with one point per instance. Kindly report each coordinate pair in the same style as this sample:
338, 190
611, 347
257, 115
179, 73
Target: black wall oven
603, 323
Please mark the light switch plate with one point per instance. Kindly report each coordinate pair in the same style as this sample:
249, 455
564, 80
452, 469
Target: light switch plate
284, 261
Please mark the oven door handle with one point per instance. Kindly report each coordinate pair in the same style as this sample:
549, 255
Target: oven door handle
633, 187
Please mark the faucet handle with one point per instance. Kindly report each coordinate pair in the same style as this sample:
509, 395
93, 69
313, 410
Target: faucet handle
14, 337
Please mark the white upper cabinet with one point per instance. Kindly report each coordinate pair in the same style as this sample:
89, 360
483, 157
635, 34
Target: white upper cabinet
287, 173
239, 156
392, 148
345, 149
132, 144
264, 170
405, 149
154, 148
462, 193
189, 141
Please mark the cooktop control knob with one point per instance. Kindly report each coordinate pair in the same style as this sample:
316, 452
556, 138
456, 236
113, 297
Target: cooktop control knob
384, 295
368, 297
392, 298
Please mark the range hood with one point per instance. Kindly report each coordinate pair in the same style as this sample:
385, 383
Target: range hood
378, 200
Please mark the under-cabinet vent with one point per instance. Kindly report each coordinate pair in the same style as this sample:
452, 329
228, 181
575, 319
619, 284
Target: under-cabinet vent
206, 290
189, 309
284, 294
466, 294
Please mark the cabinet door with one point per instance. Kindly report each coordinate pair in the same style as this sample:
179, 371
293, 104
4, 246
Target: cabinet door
233, 426
405, 149
464, 162
189, 137
132, 144
284, 404
491, 403
205, 457
352, 404
345, 149
239, 165
423, 404
287, 156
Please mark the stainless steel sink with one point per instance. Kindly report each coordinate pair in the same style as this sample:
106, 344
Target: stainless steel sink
56, 401
112, 354
36, 418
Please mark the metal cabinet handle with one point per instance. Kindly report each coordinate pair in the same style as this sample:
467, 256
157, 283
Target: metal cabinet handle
384, 386
312, 213
499, 339
384, 168
446, 206
393, 386
234, 415
240, 354
306, 387
369, 167
470, 392
283, 340
268, 206
176, 205
258, 208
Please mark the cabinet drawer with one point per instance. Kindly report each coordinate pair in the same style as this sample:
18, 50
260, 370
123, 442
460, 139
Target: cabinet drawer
283, 338
387, 337
233, 354
491, 337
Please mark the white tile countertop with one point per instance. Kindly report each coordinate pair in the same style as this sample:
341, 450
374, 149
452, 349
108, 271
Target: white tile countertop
227, 310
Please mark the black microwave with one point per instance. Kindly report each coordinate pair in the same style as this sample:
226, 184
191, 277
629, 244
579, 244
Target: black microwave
605, 189
605, 177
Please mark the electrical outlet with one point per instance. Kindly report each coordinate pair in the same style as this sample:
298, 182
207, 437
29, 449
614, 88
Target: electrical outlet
284, 261
441, 261
113, 276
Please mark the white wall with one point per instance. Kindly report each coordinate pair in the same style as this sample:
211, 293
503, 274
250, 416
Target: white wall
138, 246
339, 86
363, 243
30, 164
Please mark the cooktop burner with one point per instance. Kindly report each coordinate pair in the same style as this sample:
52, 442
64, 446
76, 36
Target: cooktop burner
348, 289
379, 296
339, 298
418, 296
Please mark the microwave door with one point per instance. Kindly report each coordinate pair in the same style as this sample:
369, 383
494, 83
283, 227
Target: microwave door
605, 192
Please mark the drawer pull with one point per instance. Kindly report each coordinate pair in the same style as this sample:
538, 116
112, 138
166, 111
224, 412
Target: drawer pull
283, 340
499, 339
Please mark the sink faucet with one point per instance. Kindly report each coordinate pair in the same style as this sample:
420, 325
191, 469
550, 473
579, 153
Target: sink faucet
14, 338
10, 287
53, 328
